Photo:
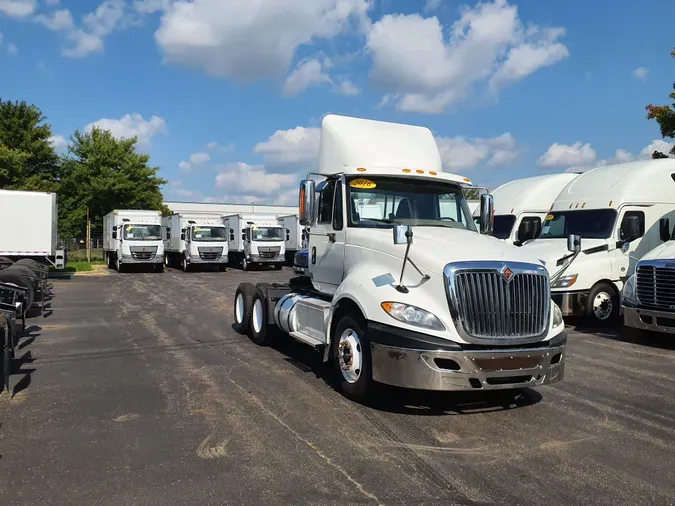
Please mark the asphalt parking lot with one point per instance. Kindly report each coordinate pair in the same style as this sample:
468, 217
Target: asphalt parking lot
134, 389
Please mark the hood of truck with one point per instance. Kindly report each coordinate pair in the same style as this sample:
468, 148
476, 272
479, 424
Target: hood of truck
665, 251
434, 247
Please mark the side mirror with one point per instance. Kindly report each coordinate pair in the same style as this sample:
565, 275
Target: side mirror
307, 197
631, 229
487, 209
243, 235
168, 233
525, 231
114, 234
574, 243
664, 231
403, 234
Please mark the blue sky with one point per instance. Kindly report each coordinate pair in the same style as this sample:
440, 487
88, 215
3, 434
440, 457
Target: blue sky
226, 96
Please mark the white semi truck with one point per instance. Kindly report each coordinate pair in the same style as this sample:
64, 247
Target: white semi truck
648, 299
415, 297
29, 228
194, 239
294, 235
133, 237
617, 212
521, 205
255, 240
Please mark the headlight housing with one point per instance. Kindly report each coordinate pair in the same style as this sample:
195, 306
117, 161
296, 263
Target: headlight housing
628, 293
565, 281
557, 315
412, 315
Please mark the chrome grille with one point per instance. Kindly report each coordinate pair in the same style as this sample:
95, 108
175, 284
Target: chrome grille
655, 285
210, 253
488, 306
143, 252
270, 252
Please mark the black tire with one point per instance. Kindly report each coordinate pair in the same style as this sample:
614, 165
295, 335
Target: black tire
261, 331
18, 277
264, 286
28, 262
159, 267
607, 310
242, 313
6, 261
362, 388
184, 264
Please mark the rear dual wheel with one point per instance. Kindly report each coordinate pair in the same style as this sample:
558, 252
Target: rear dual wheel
251, 315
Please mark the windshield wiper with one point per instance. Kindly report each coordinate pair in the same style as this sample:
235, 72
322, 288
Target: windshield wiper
384, 220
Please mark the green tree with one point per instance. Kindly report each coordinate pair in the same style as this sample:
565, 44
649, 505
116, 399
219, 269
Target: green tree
472, 193
665, 117
27, 158
103, 173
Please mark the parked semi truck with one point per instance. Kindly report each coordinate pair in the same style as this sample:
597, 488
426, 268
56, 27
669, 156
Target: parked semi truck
133, 237
29, 228
294, 235
415, 297
522, 205
649, 294
618, 212
194, 239
255, 240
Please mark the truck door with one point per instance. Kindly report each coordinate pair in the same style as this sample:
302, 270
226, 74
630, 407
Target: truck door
327, 239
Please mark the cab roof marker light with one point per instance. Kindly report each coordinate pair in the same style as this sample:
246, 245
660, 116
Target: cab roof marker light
610, 203
419, 171
407, 171
361, 169
433, 173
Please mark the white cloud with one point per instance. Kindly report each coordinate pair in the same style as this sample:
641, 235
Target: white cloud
176, 189
195, 161
294, 149
656, 145
58, 142
640, 72
52, 2
346, 87
131, 125
416, 66
227, 148
460, 153
212, 145
432, 5
18, 8
12, 49
57, 20
151, 6
250, 40
249, 180
305, 75
562, 155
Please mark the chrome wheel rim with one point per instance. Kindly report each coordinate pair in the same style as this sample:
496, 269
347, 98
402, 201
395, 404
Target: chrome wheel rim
350, 356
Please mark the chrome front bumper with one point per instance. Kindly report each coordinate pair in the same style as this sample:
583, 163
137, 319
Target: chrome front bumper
129, 260
196, 259
493, 369
647, 319
257, 259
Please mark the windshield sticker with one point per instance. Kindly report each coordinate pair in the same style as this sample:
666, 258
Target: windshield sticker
361, 183
129, 227
197, 229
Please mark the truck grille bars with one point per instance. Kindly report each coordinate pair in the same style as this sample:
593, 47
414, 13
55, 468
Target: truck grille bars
143, 252
495, 302
655, 284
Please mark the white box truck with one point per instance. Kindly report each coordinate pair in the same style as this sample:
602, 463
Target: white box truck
648, 298
133, 237
29, 227
415, 297
255, 240
294, 235
194, 239
521, 205
616, 214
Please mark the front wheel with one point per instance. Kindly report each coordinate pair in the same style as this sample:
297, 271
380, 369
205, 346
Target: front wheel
244, 264
185, 266
118, 265
352, 359
602, 306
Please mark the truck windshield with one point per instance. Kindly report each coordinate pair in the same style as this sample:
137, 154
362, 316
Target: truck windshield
383, 201
211, 234
142, 232
267, 234
503, 225
592, 224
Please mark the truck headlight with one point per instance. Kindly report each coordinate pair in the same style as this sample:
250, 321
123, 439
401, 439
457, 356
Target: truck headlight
557, 315
412, 315
565, 281
628, 293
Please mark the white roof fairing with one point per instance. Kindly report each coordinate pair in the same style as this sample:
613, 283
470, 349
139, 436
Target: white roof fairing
532, 194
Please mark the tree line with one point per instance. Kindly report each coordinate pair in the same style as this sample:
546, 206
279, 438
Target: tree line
97, 172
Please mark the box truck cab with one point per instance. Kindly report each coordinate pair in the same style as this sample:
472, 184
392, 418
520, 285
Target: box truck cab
294, 235
412, 296
194, 239
522, 205
255, 240
617, 214
133, 237
649, 294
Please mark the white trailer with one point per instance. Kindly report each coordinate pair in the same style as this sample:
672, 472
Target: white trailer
648, 298
521, 205
294, 239
29, 227
194, 239
133, 237
414, 297
617, 212
255, 240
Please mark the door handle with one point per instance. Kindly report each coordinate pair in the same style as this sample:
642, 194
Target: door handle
331, 237
314, 255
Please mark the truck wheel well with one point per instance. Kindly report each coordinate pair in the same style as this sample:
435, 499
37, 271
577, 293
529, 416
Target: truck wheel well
607, 282
346, 306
